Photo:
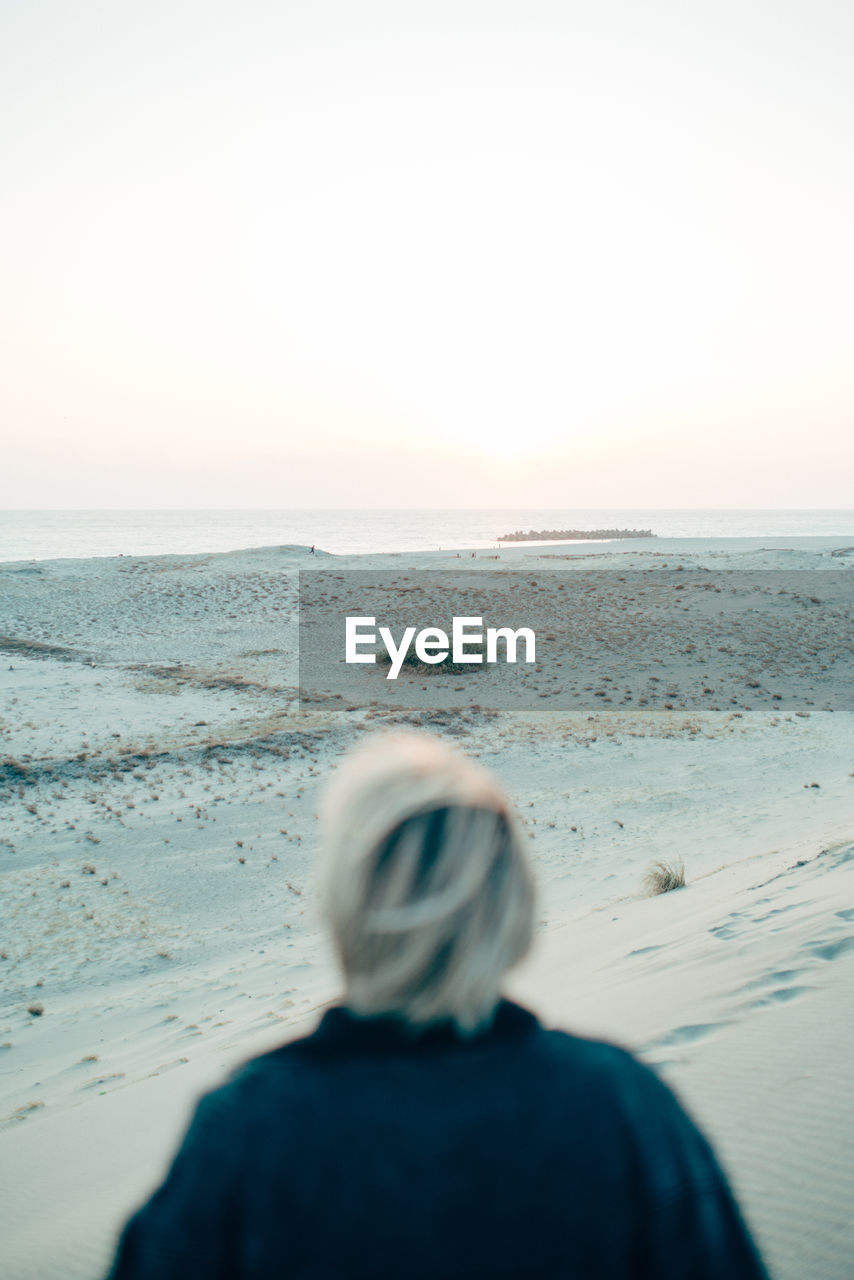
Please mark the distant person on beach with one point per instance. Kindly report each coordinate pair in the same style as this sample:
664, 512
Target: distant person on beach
312, 548
429, 1128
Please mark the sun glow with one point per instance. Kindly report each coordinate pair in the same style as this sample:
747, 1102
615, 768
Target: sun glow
416, 237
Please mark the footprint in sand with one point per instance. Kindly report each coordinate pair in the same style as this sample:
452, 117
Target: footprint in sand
782, 995
724, 931
777, 911
770, 978
680, 1036
831, 950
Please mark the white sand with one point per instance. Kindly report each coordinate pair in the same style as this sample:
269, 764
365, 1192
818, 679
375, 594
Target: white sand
174, 960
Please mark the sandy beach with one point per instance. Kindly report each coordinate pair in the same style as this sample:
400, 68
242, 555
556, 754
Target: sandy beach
159, 778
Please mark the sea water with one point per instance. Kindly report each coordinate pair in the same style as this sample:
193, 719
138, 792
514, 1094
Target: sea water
47, 535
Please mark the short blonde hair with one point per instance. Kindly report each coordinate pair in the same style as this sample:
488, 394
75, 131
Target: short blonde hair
426, 885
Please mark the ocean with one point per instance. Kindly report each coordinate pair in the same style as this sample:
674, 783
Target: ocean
49, 535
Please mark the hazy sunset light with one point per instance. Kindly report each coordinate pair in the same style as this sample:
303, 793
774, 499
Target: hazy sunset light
556, 252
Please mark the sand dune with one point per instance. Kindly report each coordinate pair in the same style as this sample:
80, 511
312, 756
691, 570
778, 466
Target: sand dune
156, 853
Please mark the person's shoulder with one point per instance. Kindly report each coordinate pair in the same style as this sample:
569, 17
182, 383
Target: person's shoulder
603, 1059
610, 1073
250, 1084
638, 1104
601, 1068
284, 1059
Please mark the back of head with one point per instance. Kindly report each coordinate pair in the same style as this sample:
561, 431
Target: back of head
426, 884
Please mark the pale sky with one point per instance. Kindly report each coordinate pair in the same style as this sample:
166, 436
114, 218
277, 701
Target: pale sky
466, 254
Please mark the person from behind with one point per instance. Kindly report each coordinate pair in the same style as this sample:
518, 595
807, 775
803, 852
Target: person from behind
428, 1126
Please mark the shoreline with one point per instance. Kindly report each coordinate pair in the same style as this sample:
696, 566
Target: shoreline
654, 547
82, 534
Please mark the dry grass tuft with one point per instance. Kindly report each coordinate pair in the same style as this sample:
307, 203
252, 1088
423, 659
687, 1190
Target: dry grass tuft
662, 877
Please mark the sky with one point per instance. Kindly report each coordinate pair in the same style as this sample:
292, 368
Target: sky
426, 254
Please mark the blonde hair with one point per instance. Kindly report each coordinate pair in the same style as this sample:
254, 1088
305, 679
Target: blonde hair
426, 885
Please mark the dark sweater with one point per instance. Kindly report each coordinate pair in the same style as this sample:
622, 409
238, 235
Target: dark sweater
359, 1151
